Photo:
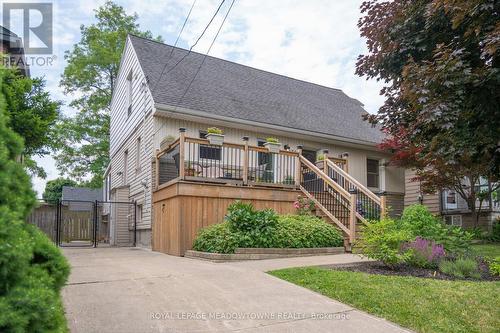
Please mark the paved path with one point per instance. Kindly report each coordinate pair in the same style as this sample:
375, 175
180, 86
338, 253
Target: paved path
134, 290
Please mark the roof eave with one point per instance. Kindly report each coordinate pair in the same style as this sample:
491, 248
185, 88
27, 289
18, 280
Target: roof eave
175, 111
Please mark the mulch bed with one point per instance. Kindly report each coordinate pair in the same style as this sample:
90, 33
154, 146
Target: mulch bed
375, 267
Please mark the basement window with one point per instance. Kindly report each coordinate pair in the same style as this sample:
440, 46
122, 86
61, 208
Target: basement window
454, 220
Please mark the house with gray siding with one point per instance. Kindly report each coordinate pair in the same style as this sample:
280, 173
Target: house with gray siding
165, 100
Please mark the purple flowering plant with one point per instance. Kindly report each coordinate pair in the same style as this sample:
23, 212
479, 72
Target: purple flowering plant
424, 252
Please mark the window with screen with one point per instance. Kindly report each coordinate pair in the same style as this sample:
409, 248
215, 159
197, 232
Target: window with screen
129, 92
209, 152
372, 174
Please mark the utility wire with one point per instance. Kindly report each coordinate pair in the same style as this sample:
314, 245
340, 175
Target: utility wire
206, 54
197, 40
175, 44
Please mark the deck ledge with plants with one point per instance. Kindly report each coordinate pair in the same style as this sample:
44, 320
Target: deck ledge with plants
241, 254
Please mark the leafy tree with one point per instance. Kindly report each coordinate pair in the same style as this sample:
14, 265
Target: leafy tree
32, 269
91, 72
32, 114
53, 189
440, 62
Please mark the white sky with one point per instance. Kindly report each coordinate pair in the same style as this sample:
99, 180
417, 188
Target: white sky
315, 40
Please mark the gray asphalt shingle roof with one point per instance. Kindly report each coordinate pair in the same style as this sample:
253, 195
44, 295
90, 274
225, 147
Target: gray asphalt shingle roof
229, 89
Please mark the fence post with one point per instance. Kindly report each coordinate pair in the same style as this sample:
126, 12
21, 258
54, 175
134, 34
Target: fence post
95, 222
298, 172
383, 204
245, 161
182, 149
352, 215
56, 238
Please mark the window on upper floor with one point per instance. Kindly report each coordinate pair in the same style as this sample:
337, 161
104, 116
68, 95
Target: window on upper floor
372, 173
209, 152
450, 199
138, 155
125, 167
129, 93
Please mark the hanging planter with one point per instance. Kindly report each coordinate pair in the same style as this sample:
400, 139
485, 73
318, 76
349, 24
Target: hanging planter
273, 145
215, 136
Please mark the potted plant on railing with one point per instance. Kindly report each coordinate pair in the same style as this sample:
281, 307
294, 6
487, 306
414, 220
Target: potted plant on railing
320, 159
273, 145
215, 136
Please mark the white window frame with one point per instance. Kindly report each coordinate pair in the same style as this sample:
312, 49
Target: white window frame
450, 205
377, 173
454, 220
138, 155
125, 167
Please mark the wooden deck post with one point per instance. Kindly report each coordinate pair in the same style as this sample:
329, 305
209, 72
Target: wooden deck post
245, 161
182, 152
352, 216
298, 173
325, 167
383, 204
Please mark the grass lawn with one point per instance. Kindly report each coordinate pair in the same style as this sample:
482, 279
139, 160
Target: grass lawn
424, 305
491, 250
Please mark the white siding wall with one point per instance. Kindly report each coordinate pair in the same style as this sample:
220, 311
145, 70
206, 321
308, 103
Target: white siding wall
357, 157
125, 130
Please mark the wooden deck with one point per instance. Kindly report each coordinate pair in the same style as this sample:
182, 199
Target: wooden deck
182, 208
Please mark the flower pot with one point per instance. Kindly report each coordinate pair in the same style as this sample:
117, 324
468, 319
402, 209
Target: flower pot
215, 139
273, 147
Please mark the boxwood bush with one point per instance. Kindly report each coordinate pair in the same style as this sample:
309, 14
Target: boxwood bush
246, 227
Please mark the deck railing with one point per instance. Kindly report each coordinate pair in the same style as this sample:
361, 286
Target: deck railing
198, 160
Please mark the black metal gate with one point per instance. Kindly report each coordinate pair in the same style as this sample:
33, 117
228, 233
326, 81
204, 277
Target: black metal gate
78, 223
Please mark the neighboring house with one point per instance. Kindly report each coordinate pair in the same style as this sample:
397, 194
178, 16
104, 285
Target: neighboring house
451, 206
162, 168
80, 198
12, 50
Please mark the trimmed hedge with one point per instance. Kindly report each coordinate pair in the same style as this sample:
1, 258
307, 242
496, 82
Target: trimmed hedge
287, 231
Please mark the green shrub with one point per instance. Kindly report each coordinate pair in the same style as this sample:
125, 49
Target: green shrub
255, 227
290, 231
302, 231
494, 266
460, 268
382, 241
420, 222
495, 232
218, 238
32, 270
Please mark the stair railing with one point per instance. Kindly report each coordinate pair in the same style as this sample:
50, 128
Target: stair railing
327, 195
368, 205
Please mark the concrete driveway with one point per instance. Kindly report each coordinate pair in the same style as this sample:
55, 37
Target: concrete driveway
136, 290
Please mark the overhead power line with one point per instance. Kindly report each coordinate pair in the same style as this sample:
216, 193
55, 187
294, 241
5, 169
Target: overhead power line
199, 38
208, 51
175, 44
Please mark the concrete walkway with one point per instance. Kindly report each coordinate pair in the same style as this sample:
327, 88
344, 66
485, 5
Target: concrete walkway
134, 290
